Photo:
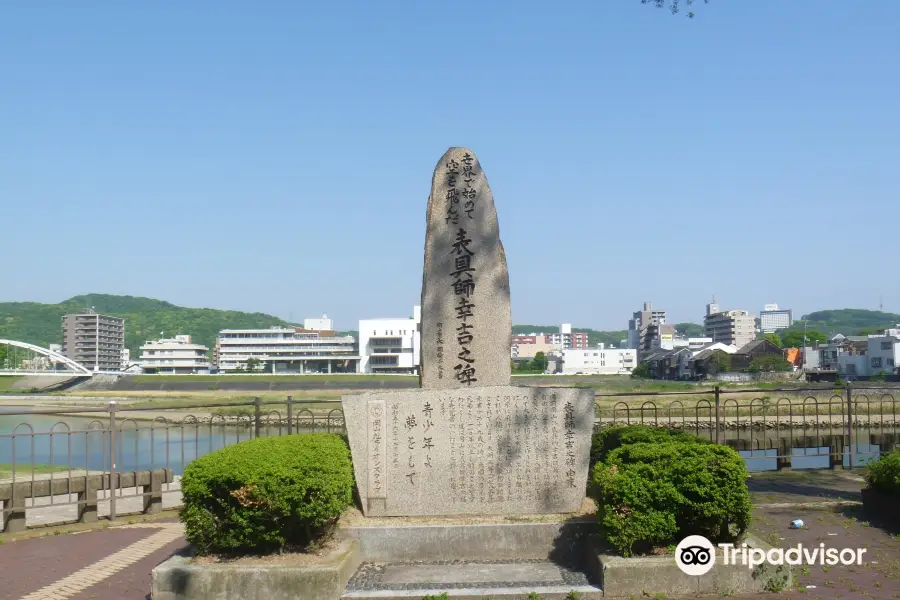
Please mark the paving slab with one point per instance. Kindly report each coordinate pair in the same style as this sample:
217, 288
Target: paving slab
455, 576
805, 486
472, 573
836, 527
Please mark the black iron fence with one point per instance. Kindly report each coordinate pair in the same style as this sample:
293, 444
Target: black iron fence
78, 463
772, 429
81, 463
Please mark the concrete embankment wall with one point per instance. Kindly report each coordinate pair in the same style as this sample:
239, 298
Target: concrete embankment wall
127, 383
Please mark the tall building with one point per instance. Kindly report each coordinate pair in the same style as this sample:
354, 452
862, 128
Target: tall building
286, 350
771, 319
390, 345
732, 327
96, 341
176, 355
640, 334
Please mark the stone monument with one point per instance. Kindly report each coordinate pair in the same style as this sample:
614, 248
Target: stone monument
467, 442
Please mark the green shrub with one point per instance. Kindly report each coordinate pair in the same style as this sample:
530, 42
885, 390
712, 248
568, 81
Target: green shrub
654, 494
608, 439
884, 474
266, 494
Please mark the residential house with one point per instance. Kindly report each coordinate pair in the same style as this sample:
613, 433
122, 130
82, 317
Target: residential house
706, 363
880, 356
756, 349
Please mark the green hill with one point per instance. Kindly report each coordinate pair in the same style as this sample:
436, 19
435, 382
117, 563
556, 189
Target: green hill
145, 318
848, 321
690, 330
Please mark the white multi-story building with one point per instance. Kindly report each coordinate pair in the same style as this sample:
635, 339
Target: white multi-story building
882, 356
599, 361
175, 355
286, 350
390, 345
771, 319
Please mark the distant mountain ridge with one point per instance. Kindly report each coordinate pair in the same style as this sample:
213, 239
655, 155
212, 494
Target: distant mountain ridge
145, 319
148, 318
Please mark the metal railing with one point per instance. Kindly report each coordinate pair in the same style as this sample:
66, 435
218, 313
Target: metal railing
77, 463
777, 429
73, 464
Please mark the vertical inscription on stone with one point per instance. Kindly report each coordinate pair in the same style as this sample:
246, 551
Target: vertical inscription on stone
377, 450
486, 451
464, 288
440, 350
570, 444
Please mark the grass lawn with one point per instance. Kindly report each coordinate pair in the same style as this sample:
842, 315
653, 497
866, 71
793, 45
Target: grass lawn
24, 470
7, 381
330, 378
241, 405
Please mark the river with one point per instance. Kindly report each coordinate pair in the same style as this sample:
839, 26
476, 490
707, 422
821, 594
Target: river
67, 440
144, 445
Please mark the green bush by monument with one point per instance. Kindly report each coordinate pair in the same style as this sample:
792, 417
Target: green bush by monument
884, 474
653, 494
608, 439
266, 495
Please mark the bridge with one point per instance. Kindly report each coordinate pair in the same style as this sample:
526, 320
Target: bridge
19, 358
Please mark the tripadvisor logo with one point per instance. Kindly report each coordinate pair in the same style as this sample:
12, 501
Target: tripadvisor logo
696, 555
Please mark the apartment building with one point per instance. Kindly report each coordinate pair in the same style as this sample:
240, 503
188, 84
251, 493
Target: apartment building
567, 339
95, 341
643, 328
599, 361
529, 344
730, 327
177, 355
286, 350
390, 345
771, 319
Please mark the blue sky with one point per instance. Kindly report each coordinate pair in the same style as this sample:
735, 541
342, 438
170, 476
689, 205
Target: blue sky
277, 156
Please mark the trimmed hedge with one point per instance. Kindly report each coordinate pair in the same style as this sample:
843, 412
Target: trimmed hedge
653, 494
884, 474
609, 438
266, 494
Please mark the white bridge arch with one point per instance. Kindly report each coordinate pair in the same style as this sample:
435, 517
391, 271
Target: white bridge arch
54, 356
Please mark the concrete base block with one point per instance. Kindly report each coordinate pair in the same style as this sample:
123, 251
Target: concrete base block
506, 593
648, 576
180, 579
558, 541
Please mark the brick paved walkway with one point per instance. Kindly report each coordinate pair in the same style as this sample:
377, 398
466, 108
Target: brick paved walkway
112, 563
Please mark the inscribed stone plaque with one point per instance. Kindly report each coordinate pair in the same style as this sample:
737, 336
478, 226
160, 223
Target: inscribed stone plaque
376, 448
494, 450
466, 322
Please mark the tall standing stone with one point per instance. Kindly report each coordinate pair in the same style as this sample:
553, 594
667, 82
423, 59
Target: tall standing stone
466, 319
468, 442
